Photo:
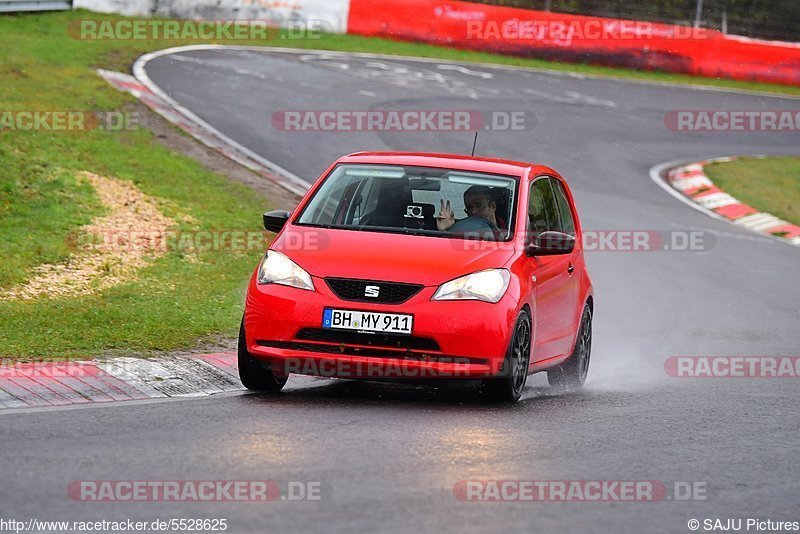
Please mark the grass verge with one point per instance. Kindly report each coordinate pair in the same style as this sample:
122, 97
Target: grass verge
771, 185
179, 299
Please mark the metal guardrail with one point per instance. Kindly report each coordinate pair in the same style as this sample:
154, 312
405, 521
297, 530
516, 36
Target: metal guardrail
8, 6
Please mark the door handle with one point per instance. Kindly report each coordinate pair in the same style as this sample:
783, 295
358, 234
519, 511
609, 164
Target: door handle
571, 269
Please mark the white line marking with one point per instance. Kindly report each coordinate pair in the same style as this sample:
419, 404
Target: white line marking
126, 404
290, 181
548, 96
7, 400
123, 369
171, 376
590, 99
760, 221
716, 200
571, 97
259, 75
378, 65
465, 70
684, 184
655, 175
493, 66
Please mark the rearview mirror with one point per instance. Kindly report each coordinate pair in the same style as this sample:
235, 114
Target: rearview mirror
551, 244
274, 221
425, 184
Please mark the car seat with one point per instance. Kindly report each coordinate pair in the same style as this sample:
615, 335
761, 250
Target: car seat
393, 198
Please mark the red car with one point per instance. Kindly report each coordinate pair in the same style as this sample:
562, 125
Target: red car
381, 273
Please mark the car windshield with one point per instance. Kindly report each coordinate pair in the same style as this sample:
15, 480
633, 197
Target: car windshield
404, 199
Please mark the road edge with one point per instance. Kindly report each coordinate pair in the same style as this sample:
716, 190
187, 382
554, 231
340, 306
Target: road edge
688, 182
423, 59
86, 382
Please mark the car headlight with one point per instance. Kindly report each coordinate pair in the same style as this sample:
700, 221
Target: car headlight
489, 286
276, 268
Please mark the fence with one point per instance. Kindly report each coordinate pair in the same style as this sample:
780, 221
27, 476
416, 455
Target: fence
603, 41
7, 6
763, 19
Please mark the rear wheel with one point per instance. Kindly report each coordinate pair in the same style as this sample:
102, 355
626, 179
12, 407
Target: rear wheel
509, 385
255, 374
572, 373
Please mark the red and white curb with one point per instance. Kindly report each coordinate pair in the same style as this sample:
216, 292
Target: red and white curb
42, 384
203, 132
693, 186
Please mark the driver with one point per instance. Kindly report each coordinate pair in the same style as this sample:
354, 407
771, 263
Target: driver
479, 202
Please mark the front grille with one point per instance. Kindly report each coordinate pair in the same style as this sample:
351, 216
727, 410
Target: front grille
370, 340
388, 292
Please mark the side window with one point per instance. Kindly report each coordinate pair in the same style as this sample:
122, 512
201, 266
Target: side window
537, 215
567, 221
542, 208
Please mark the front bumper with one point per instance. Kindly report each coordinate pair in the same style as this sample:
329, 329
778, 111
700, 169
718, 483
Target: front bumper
450, 339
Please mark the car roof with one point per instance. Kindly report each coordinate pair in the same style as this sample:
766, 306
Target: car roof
452, 161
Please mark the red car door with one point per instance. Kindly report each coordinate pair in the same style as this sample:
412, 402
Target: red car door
555, 287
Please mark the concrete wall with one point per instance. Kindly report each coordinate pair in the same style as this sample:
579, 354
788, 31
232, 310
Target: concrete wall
122, 7
332, 14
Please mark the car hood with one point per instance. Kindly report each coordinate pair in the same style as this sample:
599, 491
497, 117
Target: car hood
415, 259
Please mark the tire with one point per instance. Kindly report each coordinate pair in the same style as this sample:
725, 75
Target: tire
571, 375
509, 385
255, 374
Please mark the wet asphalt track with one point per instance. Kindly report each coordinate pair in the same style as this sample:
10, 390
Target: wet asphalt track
388, 456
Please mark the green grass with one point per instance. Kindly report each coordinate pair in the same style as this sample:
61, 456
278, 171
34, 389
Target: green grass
173, 303
770, 185
39, 201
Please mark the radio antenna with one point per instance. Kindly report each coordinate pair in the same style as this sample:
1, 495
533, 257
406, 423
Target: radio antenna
474, 144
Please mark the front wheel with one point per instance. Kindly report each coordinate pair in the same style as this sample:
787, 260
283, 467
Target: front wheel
514, 373
572, 373
256, 375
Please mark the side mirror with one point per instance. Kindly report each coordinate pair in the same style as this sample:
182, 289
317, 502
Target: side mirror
274, 221
551, 244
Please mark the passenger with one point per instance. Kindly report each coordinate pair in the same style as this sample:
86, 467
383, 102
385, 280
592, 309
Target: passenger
479, 201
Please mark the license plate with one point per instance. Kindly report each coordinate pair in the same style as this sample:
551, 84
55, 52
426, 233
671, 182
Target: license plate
391, 323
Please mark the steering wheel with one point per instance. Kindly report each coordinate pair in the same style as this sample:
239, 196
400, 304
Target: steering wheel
472, 224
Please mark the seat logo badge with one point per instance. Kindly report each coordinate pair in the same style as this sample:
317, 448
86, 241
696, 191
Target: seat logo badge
372, 291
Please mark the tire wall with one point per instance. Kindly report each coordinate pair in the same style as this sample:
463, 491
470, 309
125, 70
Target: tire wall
557, 36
